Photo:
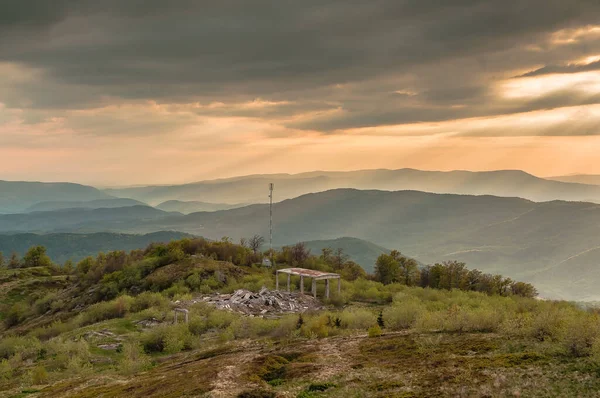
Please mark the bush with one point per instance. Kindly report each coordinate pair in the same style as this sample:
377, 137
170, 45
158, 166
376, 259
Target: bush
580, 335
50, 331
375, 331
16, 314
68, 354
27, 347
6, 370
117, 308
39, 375
167, 338
402, 315
148, 300
547, 324
357, 318
134, 359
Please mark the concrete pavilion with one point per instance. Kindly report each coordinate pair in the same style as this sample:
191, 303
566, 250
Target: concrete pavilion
308, 273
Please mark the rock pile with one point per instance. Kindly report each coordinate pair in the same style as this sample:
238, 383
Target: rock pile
263, 303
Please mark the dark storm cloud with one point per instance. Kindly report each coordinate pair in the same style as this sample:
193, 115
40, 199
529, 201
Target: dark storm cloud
572, 68
356, 56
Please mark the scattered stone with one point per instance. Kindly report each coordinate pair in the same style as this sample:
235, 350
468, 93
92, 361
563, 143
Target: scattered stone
148, 323
113, 346
263, 303
105, 333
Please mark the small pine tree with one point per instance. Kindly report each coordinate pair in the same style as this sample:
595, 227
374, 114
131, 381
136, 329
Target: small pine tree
300, 322
380, 322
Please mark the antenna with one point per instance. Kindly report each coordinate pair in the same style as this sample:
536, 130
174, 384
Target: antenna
271, 186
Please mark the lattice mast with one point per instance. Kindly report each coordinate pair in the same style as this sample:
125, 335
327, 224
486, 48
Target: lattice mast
271, 186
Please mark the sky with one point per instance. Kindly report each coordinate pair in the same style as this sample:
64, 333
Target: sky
118, 92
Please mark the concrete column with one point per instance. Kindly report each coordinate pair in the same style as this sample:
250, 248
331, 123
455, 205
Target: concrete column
326, 288
301, 284
289, 282
276, 280
314, 287
339, 285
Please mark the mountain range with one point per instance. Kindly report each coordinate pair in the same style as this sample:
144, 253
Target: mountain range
589, 179
193, 206
555, 245
69, 246
18, 196
253, 188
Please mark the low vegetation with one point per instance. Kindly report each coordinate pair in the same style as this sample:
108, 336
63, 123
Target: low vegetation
105, 325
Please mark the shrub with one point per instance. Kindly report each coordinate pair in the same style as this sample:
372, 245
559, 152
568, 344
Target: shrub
374, 331
26, 347
547, 324
134, 359
16, 314
148, 300
39, 375
402, 315
167, 338
117, 308
74, 355
580, 335
357, 318
6, 370
52, 330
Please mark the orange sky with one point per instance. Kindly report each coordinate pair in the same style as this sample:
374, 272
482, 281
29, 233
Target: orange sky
77, 104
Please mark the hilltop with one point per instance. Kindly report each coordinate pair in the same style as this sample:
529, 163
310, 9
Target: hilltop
106, 327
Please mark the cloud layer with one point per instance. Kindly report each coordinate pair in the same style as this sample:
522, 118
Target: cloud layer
245, 75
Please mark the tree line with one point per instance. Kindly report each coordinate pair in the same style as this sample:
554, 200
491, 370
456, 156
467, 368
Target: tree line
396, 268
389, 268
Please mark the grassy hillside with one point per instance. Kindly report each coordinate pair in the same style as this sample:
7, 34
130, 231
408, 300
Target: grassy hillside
67, 246
73, 335
360, 251
16, 196
193, 206
90, 204
253, 188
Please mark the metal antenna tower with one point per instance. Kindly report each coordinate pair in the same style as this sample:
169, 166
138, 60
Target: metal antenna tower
271, 186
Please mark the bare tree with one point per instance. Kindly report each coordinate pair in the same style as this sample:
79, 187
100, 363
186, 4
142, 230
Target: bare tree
244, 242
255, 243
300, 253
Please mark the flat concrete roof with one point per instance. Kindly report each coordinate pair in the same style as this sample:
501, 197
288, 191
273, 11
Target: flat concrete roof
311, 273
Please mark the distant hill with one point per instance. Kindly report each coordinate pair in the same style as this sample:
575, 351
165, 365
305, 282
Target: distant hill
579, 179
543, 243
253, 188
360, 251
193, 206
551, 244
17, 196
62, 247
80, 220
89, 204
